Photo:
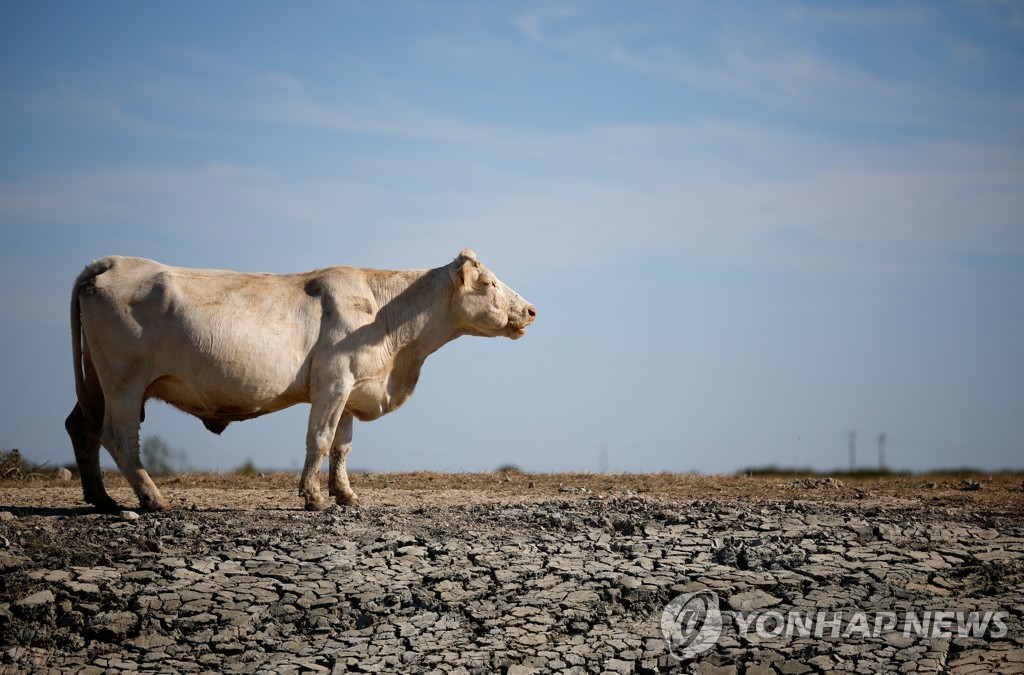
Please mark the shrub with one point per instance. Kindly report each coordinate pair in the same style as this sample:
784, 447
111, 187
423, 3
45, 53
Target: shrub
12, 465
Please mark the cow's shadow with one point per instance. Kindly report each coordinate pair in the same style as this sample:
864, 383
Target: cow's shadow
25, 511
57, 511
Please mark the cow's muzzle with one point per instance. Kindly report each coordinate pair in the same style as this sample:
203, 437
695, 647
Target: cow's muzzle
517, 329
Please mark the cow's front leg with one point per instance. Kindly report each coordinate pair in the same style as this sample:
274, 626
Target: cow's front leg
324, 415
338, 484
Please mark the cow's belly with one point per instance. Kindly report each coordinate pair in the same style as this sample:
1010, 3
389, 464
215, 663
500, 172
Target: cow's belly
206, 369
229, 394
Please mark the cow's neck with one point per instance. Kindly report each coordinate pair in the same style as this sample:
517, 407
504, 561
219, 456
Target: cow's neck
415, 314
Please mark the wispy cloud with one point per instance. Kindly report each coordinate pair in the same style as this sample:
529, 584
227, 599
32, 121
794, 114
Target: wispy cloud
792, 68
536, 24
1003, 15
628, 189
92, 109
855, 17
723, 186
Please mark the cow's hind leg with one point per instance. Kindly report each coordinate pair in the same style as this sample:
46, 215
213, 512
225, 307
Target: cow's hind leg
324, 415
337, 483
121, 424
85, 437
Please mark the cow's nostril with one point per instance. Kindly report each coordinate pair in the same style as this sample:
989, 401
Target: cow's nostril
531, 311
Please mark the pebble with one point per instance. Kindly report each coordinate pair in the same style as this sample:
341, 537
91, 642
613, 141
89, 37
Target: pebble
36, 599
62, 474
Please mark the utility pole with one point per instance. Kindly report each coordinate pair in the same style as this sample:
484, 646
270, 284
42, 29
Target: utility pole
853, 449
881, 451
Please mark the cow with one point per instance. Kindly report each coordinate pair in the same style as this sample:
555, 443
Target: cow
226, 346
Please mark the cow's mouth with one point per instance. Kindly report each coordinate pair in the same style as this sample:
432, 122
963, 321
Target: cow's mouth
517, 328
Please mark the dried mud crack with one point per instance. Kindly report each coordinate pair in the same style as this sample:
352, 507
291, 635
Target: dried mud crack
506, 574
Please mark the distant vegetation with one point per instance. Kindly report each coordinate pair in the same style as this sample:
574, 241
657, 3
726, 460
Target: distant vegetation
160, 459
14, 467
773, 470
801, 472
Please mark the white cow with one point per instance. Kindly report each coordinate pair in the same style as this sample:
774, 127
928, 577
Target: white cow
226, 346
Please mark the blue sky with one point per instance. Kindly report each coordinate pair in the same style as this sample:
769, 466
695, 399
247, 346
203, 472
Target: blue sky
748, 228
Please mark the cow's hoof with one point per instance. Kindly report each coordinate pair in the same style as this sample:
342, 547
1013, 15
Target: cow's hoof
105, 504
347, 500
153, 504
316, 504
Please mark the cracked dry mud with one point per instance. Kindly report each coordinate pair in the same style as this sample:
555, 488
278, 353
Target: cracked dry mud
505, 573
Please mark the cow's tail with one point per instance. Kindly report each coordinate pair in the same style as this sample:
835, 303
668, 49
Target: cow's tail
83, 283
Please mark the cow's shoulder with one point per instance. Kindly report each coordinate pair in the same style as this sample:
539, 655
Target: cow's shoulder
344, 293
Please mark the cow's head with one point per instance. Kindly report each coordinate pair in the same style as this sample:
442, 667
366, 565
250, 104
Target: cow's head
485, 306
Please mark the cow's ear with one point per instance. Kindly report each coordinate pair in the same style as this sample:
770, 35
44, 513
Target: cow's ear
463, 270
465, 275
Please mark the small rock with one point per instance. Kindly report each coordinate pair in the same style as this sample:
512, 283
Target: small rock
151, 641
619, 666
87, 589
230, 647
711, 669
748, 601
520, 670
36, 599
888, 531
825, 482
415, 551
794, 668
61, 474
580, 597
7, 515
113, 625
129, 515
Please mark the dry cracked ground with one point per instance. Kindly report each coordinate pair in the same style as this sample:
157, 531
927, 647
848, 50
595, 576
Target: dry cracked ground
515, 573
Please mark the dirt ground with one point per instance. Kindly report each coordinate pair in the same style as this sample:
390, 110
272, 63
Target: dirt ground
504, 572
991, 494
